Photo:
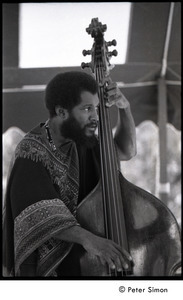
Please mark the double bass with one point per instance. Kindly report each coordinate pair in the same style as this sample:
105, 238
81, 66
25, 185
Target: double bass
117, 209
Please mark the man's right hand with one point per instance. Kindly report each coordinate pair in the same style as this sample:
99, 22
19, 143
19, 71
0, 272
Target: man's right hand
106, 250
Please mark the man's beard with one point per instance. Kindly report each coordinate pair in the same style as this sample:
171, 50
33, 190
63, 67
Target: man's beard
72, 129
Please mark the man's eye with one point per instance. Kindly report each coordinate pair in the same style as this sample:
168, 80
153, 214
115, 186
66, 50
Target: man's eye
87, 109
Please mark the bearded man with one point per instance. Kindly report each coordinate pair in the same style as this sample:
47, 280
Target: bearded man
56, 165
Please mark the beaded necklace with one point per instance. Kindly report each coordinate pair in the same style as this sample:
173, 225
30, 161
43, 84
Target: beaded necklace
49, 137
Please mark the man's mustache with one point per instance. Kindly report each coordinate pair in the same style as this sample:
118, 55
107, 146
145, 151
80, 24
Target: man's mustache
92, 123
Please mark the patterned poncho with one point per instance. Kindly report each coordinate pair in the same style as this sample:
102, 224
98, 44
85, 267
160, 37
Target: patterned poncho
41, 201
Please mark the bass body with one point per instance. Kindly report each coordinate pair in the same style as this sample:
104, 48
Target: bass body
152, 230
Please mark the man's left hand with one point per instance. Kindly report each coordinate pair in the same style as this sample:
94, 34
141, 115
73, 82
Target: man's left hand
114, 96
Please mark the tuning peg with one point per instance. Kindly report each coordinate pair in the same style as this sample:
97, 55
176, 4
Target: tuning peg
86, 65
112, 43
86, 52
113, 53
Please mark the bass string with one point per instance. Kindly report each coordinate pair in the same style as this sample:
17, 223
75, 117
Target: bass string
118, 204
105, 180
108, 142
102, 159
113, 203
117, 208
115, 178
110, 164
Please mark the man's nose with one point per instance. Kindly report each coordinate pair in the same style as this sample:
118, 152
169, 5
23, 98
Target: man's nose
94, 115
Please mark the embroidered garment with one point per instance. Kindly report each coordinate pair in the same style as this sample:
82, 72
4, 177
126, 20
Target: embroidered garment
41, 201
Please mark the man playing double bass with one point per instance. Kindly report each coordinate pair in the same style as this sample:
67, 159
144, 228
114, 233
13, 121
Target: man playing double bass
57, 164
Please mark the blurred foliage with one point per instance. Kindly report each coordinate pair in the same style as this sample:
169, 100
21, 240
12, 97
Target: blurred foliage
143, 169
10, 140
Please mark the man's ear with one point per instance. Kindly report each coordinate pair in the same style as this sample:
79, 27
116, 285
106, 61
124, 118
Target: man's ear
62, 112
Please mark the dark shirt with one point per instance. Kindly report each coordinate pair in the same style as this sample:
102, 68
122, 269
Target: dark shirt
89, 170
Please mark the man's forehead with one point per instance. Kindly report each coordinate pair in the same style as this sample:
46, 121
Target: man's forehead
89, 98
